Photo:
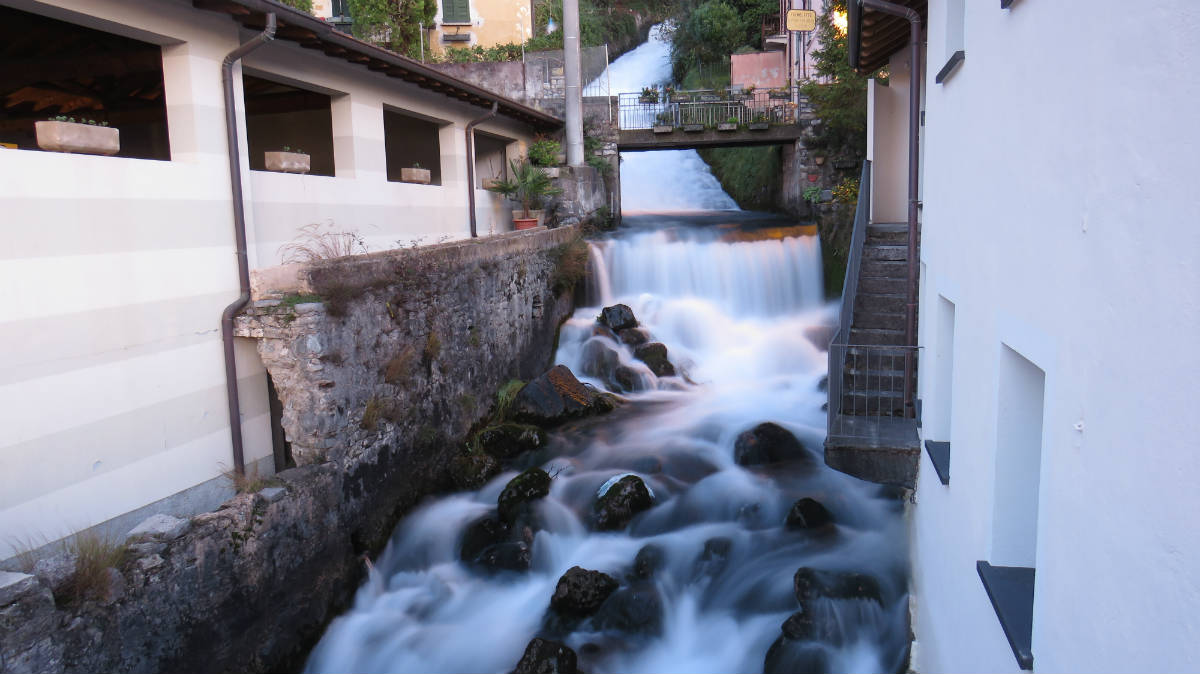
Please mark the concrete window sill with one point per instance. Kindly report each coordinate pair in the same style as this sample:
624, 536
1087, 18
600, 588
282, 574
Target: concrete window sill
1010, 588
939, 455
951, 66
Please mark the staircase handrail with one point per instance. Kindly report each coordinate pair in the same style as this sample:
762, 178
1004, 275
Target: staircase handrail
858, 237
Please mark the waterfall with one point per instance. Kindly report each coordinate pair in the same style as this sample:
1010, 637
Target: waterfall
731, 296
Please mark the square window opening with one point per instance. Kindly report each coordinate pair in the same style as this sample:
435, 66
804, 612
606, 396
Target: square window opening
282, 117
411, 142
491, 158
51, 68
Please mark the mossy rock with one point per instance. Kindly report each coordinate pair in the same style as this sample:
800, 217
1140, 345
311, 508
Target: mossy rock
529, 486
507, 440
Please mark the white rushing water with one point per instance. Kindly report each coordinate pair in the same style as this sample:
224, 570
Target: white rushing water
671, 180
733, 311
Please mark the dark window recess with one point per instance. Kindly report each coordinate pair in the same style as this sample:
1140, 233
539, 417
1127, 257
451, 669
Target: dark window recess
1011, 590
279, 442
490, 158
456, 37
951, 63
1005, 4
939, 454
50, 68
409, 141
279, 116
456, 11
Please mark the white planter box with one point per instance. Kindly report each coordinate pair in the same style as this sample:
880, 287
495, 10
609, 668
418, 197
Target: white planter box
489, 183
415, 175
664, 128
78, 138
727, 126
288, 162
550, 171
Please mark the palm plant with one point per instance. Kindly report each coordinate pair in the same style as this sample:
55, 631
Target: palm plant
529, 186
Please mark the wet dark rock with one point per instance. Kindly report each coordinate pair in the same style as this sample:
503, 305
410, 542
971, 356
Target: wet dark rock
555, 397
580, 591
472, 470
636, 610
507, 556
786, 656
823, 384
618, 317
480, 535
529, 486
808, 513
491, 544
714, 558
768, 443
812, 584
599, 359
804, 625
543, 656
654, 355
623, 500
648, 561
507, 440
634, 336
626, 379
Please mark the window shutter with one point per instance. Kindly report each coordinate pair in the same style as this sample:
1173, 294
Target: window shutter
456, 11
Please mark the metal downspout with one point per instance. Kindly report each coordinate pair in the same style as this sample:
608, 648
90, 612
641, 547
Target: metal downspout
471, 162
914, 115
239, 234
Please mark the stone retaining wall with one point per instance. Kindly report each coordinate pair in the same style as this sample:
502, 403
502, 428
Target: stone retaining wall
380, 380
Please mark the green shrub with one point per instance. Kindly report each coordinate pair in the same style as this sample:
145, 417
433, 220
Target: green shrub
544, 151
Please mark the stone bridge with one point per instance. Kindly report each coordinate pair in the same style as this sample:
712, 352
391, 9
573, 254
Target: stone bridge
638, 140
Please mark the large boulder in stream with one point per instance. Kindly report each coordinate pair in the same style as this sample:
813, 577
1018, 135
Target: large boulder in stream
543, 656
768, 443
472, 469
812, 584
491, 544
637, 609
634, 336
618, 317
808, 513
654, 355
507, 440
787, 656
529, 486
556, 397
617, 505
580, 591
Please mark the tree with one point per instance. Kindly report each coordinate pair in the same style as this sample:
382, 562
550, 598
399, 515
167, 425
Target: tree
709, 35
394, 24
302, 5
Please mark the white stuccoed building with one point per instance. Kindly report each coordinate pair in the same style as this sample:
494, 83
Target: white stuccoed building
116, 269
1059, 314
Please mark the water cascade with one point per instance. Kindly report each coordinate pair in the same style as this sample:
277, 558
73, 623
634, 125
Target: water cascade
708, 575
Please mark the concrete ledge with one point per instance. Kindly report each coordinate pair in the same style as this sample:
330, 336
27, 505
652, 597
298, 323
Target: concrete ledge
884, 451
633, 140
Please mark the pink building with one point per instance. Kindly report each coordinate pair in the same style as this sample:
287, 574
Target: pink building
784, 57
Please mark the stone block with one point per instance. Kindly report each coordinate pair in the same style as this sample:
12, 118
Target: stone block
55, 571
273, 494
159, 527
13, 586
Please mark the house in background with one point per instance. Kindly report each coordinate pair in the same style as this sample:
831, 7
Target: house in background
1055, 519
116, 269
784, 57
467, 23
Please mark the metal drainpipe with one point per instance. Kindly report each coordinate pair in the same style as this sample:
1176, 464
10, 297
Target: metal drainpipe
914, 114
471, 161
239, 234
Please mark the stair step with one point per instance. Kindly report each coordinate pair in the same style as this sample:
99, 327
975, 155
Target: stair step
888, 268
877, 336
878, 319
871, 381
887, 232
857, 404
881, 285
871, 301
884, 251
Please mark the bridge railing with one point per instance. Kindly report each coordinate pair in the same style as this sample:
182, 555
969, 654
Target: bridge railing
709, 109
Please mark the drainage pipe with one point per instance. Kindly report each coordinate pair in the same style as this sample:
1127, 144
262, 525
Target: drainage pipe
914, 115
471, 161
239, 235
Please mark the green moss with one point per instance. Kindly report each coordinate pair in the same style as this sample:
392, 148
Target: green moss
751, 175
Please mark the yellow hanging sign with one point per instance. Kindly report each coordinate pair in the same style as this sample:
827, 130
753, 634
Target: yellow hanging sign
801, 20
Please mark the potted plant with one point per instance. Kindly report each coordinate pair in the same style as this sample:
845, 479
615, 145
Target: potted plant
678, 96
416, 174
780, 94
648, 95
528, 186
287, 160
544, 153
759, 123
730, 124
664, 122
85, 136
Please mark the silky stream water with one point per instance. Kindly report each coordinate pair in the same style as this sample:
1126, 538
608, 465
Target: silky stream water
733, 308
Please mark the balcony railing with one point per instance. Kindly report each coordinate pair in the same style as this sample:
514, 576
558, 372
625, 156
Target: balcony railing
709, 108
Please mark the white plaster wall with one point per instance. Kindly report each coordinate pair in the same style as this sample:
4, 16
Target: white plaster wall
116, 271
1059, 218
888, 143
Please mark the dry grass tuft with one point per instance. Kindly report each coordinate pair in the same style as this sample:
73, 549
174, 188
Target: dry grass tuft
570, 265
400, 367
94, 555
248, 482
314, 243
371, 414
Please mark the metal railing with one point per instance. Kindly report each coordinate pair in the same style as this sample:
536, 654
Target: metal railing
709, 108
772, 26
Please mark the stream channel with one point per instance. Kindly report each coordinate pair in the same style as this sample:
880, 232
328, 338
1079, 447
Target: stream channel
721, 582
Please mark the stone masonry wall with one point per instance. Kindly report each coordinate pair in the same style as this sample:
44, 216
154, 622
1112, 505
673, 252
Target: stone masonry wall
380, 377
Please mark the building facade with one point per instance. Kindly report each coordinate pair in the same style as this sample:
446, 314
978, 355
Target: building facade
117, 268
1059, 301
467, 23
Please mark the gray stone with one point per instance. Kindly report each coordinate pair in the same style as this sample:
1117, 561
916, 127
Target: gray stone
13, 586
146, 548
159, 527
272, 494
55, 571
309, 307
151, 562
266, 304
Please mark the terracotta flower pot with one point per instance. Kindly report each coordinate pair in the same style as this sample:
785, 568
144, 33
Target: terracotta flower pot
77, 138
524, 223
